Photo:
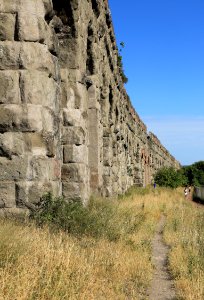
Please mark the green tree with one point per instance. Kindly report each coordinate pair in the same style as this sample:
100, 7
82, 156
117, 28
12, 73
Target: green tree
195, 173
169, 177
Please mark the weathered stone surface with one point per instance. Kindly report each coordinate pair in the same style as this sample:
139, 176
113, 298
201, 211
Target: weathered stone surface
20, 118
37, 88
28, 194
76, 191
9, 91
75, 154
9, 55
43, 168
8, 6
13, 170
11, 143
7, 27
66, 122
28, 29
7, 194
73, 135
36, 56
73, 172
72, 117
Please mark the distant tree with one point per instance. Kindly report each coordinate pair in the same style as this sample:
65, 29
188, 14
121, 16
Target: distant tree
195, 173
169, 177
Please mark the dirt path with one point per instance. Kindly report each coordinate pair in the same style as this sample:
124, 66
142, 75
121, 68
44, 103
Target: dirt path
162, 286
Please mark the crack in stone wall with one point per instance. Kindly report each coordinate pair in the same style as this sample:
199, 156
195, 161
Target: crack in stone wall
66, 122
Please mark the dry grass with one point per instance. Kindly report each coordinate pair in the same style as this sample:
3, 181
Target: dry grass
38, 264
184, 233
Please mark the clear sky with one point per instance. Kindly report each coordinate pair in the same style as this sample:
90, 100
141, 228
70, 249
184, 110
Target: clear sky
164, 61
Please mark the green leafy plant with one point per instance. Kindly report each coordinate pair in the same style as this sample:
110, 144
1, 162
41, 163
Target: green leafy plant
169, 177
120, 64
99, 218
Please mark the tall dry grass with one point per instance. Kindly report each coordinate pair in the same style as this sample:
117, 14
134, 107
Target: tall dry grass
184, 232
39, 263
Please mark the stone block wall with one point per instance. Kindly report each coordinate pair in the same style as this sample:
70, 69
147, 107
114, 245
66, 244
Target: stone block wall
66, 122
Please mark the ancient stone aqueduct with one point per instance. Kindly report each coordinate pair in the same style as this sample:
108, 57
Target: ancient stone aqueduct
66, 122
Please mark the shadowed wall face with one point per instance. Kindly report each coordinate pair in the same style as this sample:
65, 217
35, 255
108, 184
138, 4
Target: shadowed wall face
66, 121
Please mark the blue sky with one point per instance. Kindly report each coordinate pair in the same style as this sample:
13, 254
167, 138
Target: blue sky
164, 61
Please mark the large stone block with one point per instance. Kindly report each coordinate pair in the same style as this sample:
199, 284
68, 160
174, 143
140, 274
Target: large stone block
74, 172
20, 118
35, 7
75, 191
48, 119
44, 168
75, 154
29, 194
14, 169
11, 143
35, 143
8, 6
28, 29
72, 117
7, 27
38, 88
9, 55
36, 56
9, 87
7, 194
73, 135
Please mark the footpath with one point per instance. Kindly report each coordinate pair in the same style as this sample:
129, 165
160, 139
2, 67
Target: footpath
162, 287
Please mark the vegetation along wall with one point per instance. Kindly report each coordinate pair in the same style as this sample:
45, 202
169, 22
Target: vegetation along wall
66, 122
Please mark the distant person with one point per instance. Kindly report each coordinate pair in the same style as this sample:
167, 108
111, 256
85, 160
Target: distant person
186, 191
189, 192
154, 185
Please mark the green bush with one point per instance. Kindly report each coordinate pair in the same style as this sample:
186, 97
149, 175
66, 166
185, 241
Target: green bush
195, 173
169, 177
100, 218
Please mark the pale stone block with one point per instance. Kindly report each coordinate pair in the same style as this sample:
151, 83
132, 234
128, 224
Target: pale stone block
14, 169
73, 135
7, 118
34, 117
28, 194
75, 191
11, 143
36, 56
74, 172
9, 55
48, 120
8, 6
7, 27
9, 87
20, 118
7, 194
35, 143
38, 88
35, 7
28, 29
44, 168
75, 154
72, 117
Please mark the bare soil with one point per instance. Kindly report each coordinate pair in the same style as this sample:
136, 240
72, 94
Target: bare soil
162, 287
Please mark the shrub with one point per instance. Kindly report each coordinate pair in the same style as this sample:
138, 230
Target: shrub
100, 218
195, 173
169, 177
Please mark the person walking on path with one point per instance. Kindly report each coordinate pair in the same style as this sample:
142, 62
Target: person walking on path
186, 192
